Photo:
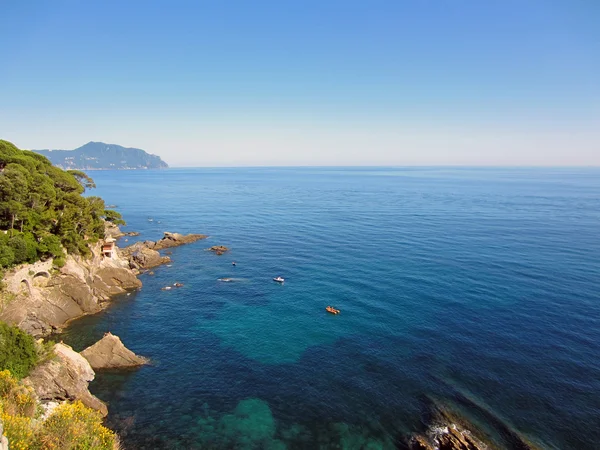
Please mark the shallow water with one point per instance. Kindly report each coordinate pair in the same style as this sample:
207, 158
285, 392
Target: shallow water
471, 283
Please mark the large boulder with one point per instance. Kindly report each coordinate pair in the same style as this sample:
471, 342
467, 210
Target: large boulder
65, 377
109, 352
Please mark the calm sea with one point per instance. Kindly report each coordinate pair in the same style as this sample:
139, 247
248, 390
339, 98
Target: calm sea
477, 288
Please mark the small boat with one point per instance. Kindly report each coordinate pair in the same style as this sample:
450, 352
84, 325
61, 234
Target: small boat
233, 263
332, 310
278, 279
177, 284
226, 280
166, 288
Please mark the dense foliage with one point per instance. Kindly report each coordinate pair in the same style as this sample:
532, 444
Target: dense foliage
42, 209
18, 352
70, 426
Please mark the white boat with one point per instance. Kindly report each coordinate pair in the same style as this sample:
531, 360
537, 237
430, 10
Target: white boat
278, 279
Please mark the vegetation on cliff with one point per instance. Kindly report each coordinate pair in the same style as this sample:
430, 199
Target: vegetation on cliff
43, 211
69, 426
18, 352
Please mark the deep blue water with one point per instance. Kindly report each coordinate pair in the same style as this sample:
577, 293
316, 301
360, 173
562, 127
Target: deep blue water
454, 284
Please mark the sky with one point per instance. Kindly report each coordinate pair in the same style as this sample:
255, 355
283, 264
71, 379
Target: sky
275, 83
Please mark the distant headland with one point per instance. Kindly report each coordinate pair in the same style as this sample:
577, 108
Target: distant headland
101, 156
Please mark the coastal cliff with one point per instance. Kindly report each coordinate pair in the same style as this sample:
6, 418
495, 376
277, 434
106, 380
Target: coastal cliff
40, 299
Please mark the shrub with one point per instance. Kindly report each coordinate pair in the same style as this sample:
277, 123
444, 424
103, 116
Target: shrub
70, 426
59, 261
17, 350
17, 399
19, 431
18, 404
73, 425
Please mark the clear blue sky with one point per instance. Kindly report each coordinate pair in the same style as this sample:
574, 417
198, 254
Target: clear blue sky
307, 82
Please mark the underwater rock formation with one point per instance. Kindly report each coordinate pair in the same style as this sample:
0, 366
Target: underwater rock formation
250, 426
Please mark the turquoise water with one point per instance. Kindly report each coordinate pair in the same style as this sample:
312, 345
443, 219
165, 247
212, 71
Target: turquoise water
454, 284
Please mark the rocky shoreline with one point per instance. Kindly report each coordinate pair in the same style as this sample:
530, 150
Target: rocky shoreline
41, 300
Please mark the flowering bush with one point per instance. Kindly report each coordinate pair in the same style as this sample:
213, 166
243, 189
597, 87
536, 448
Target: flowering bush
75, 426
71, 426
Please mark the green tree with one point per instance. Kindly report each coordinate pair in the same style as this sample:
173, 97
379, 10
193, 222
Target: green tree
42, 209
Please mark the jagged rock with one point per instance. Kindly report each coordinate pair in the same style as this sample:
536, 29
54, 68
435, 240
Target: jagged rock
65, 377
109, 352
218, 249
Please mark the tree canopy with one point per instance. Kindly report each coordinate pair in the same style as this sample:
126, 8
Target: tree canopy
42, 209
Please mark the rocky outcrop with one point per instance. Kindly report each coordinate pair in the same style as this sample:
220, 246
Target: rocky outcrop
144, 255
174, 240
109, 352
449, 437
65, 377
450, 430
218, 249
44, 299
113, 231
141, 257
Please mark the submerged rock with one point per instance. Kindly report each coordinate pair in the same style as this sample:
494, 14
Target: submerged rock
250, 426
218, 249
65, 377
109, 352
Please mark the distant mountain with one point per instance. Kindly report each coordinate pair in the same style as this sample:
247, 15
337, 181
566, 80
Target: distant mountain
98, 155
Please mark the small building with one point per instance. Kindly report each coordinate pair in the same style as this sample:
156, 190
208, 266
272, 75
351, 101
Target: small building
108, 248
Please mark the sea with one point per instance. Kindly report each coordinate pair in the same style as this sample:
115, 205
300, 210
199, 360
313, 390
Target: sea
475, 289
